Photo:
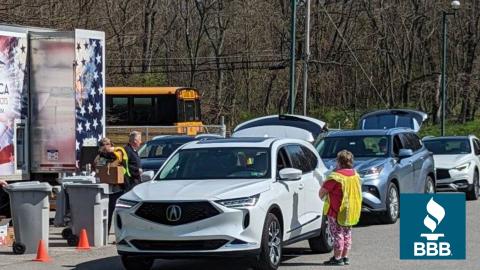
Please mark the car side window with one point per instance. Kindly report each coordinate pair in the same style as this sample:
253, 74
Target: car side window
311, 158
298, 158
397, 145
407, 141
415, 141
282, 159
476, 146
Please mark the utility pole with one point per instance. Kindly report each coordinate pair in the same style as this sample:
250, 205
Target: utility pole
292, 56
306, 57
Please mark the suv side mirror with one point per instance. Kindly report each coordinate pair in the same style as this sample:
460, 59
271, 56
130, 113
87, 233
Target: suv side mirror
290, 174
147, 176
404, 153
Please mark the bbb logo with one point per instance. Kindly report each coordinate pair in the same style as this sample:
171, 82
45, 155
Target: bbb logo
432, 226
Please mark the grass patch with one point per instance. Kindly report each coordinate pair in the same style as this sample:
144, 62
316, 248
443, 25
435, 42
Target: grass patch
452, 129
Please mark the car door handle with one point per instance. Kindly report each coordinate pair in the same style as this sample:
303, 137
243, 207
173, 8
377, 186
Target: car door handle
301, 186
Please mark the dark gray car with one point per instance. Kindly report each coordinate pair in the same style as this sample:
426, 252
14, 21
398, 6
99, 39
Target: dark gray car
154, 153
389, 156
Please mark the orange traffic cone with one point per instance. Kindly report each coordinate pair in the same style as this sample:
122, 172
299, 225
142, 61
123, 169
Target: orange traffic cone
83, 241
42, 254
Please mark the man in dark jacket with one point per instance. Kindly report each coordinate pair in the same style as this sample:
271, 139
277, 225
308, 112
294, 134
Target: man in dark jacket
134, 162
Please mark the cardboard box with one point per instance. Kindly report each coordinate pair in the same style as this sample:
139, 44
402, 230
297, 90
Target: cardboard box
111, 174
6, 233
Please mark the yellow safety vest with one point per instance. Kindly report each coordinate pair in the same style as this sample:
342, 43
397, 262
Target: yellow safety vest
122, 156
351, 206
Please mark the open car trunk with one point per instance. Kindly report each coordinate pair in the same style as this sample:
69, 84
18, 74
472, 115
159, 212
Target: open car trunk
394, 118
281, 126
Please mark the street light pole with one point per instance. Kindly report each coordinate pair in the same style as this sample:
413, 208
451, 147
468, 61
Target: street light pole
292, 57
455, 5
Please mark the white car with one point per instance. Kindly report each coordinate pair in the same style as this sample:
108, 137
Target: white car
226, 197
457, 163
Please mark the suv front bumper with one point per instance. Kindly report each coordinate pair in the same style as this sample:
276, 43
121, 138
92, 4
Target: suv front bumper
233, 232
453, 180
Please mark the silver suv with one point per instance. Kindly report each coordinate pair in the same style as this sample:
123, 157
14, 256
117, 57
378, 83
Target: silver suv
389, 156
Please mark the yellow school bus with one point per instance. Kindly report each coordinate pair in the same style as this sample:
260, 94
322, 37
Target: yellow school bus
154, 106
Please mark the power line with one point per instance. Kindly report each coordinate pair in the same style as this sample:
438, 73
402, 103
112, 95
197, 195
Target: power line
200, 64
198, 57
353, 54
270, 67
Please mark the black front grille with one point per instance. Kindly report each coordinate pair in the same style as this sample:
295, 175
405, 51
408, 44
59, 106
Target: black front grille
442, 174
189, 212
178, 245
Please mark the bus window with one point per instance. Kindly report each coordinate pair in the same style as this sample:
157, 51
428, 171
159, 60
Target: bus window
197, 111
188, 111
117, 111
166, 110
143, 110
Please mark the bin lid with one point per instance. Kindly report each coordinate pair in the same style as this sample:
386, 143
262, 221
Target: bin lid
29, 186
102, 186
77, 179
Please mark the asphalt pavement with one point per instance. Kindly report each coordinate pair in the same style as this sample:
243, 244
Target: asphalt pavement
375, 246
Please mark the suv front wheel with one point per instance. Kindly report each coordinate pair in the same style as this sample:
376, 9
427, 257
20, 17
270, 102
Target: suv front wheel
271, 248
473, 189
324, 242
393, 205
429, 185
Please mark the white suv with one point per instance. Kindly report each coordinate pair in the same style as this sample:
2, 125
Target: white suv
457, 163
226, 197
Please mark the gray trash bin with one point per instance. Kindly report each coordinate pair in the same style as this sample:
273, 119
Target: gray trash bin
30, 208
89, 210
61, 211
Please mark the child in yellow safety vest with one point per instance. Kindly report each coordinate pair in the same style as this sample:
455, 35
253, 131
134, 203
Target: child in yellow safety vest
343, 202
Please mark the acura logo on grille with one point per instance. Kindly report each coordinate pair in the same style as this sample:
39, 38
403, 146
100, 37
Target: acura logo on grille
174, 213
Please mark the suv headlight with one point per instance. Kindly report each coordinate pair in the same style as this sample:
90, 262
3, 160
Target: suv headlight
125, 204
463, 167
374, 171
240, 202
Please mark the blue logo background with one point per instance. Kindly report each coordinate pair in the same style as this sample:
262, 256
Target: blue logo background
453, 226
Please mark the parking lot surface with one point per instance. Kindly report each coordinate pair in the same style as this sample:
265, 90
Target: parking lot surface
375, 246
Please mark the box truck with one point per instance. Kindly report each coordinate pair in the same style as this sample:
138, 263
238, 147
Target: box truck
51, 100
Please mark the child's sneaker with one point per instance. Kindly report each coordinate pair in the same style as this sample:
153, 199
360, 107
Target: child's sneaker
346, 261
334, 261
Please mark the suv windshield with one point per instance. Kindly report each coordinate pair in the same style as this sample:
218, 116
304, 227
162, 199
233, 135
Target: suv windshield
360, 146
448, 146
217, 163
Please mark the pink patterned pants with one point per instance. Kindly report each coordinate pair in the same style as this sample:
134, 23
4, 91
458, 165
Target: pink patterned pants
342, 236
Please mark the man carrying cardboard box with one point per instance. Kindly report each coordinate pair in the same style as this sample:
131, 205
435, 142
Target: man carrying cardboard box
110, 165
